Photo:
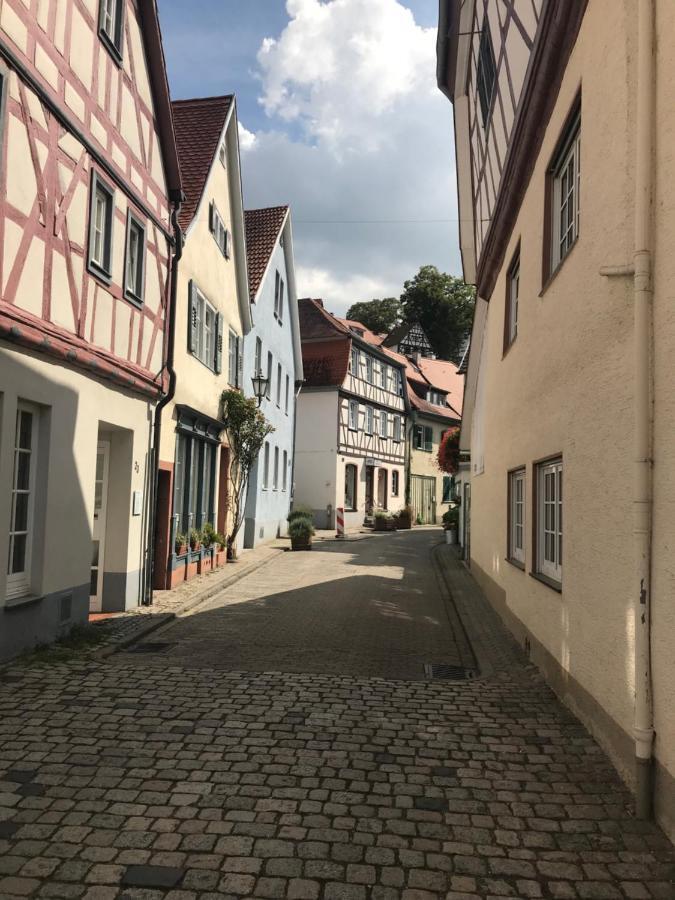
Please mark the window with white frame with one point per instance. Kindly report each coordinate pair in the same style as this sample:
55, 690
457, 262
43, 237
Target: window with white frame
512, 291
354, 362
353, 415
275, 482
288, 386
384, 376
268, 389
279, 297
110, 26
266, 466
486, 73
369, 419
284, 472
384, 424
397, 429
134, 269
233, 359
394, 483
370, 372
423, 438
279, 385
257, 365
351, 475
222, 154
516, 535
220, 233
436, 397
565, 200
398, 383
549, 507
205, 333
21, 522
101, 218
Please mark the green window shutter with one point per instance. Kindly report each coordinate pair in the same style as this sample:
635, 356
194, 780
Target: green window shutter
193, 323
219, 344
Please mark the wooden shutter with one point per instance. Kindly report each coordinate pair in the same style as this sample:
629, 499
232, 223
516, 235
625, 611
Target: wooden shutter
240, 362
219, 344
193, 323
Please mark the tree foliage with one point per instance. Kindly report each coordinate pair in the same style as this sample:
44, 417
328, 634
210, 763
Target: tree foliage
443, 306
448, 451
378, 315
246, 429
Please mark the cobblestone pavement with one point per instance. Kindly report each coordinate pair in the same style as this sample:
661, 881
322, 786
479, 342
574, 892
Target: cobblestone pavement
136, 781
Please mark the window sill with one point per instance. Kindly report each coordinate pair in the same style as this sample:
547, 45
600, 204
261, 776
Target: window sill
99, 273
20, 602
549, 582
507, 348
515, 562
554, 274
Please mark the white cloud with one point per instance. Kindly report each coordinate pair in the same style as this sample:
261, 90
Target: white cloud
358, 134
247, 139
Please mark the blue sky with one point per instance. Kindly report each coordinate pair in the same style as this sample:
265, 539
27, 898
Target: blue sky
343, 121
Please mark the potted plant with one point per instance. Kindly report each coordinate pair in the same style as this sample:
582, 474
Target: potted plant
451, 525
404, 518
195, 539
180, 544
300, 512
384, 521
220, 542
301, 530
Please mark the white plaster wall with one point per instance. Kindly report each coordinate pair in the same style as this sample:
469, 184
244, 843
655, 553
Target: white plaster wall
316, 450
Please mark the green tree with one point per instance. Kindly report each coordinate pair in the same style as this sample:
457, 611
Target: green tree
246, 429
378, 315
443, 305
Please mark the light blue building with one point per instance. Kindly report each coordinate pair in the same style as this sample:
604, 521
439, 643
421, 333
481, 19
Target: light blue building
273, 347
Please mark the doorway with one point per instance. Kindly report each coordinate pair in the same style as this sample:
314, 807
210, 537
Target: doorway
423, 498
382, 480
99, 526
370, 489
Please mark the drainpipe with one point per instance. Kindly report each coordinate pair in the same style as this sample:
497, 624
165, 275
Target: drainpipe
166, 398
642, 486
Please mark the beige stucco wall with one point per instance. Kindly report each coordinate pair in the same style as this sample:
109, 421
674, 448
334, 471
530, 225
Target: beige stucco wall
423, 462
565, 386
315, 475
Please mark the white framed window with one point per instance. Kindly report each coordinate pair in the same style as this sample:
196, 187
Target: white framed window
284, 472
279, 385
353, 415
220, 233
101, 217
21, 523
516, 537
275, 482
233, 359
394, 483
566, 185
205, 334
134, 268
512, 291
222, 154
423, 438
384, 424
351, 476
436, 397
268, 389
110, 26
370, 372
398, 383
288, 386
369, 419
549, 508
384, 376
266, 466
354, 362
279, 297
397, 429
257, 364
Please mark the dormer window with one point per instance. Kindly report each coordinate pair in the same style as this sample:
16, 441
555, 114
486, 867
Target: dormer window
220, 233
110, 26
436, 397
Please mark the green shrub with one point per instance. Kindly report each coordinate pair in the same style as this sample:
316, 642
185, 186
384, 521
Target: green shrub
180, 541
381, 514
208, 534
451, 518
195, 538
300, 512
300, 528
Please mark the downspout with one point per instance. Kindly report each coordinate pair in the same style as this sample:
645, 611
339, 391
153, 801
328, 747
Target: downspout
163, 401
642, 486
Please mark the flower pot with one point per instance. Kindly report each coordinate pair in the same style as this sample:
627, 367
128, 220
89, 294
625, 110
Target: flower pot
182, 550
451, 536
301, 543
380, 524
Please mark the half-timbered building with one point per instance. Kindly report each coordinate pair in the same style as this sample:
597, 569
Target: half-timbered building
350, 433
563, 112
212, 316
88, 176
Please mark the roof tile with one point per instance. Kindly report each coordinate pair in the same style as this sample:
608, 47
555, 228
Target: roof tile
262, 230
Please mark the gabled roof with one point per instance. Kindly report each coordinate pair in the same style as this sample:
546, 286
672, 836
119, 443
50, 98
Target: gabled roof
430, 409
318, 324
444, 375
262, 230
403, 330
363, 332
198, 125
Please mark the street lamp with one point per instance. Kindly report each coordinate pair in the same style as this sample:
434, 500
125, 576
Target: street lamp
260, 386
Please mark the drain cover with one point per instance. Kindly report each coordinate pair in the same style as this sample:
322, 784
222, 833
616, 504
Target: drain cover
446, 672
150, 647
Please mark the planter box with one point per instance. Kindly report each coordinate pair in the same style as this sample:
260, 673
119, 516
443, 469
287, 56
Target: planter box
301, 544
385, 525
206, 563
403, 523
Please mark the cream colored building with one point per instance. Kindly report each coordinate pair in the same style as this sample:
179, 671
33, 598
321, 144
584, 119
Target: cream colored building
88, 178
213, 314
564, 124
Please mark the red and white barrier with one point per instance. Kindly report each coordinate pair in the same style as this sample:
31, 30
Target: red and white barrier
340, 521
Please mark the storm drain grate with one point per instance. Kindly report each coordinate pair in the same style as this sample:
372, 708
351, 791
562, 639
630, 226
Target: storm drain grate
151, 647
446, 672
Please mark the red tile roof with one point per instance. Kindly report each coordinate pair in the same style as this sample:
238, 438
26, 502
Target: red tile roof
316, 322
262, 230
368, 335
442, 374
325, 362
198, 125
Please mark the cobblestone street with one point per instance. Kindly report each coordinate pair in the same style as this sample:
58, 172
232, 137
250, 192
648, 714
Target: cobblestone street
285, 743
